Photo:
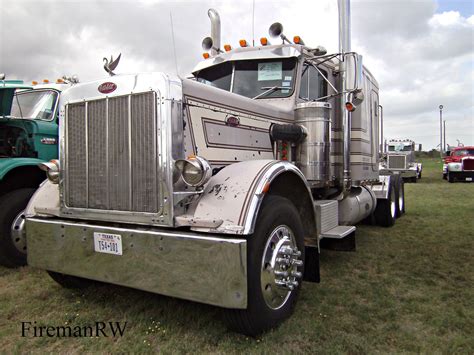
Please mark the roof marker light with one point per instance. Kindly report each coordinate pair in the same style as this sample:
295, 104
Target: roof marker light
34, 82
45, 81
298, 40
264, 41
243, 43
227, 47
205, 55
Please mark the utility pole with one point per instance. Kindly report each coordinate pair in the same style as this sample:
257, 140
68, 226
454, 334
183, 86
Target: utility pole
441, 131
444, 135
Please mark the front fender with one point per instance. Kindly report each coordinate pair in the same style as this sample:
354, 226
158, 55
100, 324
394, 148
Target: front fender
8, 164
45, 201
233, 196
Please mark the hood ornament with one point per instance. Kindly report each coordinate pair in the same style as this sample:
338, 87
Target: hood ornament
110, 66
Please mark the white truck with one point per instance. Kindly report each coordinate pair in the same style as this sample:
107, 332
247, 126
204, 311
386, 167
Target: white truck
220, 188
399, 158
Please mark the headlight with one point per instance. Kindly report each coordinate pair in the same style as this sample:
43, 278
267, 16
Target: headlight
195, 171
52, 170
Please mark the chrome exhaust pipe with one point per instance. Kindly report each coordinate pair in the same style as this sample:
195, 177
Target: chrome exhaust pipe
215, 30
345, 47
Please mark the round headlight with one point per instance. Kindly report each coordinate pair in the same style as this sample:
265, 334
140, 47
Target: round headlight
52, 170
195, 171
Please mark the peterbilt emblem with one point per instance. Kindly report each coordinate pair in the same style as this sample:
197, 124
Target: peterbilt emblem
107, 88
232, 121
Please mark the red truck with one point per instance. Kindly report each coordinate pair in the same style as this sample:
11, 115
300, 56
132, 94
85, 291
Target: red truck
459, 164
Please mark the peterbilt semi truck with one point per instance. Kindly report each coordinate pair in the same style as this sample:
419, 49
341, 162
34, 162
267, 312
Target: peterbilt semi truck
221, 187
28, 136
399, 158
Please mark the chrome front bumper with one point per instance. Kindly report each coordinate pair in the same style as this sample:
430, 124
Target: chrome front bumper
191, 266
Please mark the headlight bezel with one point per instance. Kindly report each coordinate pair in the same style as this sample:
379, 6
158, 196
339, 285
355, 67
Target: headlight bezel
197, 166
52, 170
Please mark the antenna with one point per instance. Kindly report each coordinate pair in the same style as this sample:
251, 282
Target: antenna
174, 45
253, 23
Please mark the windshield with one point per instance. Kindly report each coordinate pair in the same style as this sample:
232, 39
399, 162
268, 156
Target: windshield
270, 78
399, 148
461, 152
35, 104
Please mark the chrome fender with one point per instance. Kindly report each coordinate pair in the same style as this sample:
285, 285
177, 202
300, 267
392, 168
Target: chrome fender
45, 201
231, 199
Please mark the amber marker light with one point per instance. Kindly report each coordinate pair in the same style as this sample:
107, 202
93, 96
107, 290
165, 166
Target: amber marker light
34, 83
59, 81
243, 43
227, 47
205, 55
263, 41
350, 106
297, 40
45, 81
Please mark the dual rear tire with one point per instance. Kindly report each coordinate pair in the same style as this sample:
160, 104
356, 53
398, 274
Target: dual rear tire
389, 209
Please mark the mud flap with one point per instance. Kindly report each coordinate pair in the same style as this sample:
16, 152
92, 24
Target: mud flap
311, 269
347, 243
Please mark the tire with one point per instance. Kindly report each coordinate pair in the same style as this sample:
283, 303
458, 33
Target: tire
419, 176
399, 195
12, 236
450, 178
445, 177
385, 212
267, 303
68, 281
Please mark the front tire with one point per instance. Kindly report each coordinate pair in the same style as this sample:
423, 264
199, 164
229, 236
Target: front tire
275, 254
12, 233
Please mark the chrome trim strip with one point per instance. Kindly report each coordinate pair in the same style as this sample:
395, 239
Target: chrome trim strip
86, 132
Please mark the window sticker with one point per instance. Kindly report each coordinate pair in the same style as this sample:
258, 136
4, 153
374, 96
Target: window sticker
285, 83
270, 71
285, 91
288, 78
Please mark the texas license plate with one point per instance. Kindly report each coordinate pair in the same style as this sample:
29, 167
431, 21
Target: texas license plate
469, 179
108, 243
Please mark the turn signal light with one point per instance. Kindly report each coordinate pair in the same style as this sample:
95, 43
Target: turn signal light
227, 47
205, 55
263, 41
243, 43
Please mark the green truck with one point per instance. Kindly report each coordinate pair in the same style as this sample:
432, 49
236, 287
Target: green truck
28, 137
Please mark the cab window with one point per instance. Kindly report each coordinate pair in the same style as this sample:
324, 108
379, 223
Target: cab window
313, 85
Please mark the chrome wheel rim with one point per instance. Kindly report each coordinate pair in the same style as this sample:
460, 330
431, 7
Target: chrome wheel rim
18, 234
401, 201
280, 269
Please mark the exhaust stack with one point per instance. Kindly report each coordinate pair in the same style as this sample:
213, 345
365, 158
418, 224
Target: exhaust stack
345, 47
215, 31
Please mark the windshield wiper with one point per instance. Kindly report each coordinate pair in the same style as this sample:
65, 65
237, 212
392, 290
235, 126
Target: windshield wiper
270, 90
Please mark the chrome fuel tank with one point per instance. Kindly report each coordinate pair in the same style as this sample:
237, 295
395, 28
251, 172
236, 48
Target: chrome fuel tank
313, 152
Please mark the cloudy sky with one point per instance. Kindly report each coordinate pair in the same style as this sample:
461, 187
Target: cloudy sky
420, 51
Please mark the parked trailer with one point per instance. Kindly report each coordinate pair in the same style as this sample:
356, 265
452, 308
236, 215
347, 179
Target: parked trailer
28, 136
219, 188
399, 158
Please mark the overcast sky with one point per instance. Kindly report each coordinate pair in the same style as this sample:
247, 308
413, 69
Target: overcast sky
420, 51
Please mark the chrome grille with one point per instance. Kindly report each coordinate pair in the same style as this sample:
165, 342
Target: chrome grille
111, 157
396, 161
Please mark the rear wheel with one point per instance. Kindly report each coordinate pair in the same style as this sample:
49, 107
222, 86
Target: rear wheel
386, 210
275, 254
12, 231
399, 195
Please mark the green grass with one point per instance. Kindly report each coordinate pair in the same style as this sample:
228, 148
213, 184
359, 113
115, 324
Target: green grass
409, 288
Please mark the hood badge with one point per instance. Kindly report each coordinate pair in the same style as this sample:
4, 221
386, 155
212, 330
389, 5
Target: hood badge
107, 87
109, 66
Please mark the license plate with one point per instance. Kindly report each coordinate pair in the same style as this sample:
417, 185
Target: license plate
469, 179
108, 243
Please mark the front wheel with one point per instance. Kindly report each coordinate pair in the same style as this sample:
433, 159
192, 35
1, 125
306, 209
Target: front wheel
450, 178
275, 254
12, 231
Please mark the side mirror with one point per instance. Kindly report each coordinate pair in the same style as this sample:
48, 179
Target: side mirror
354, 70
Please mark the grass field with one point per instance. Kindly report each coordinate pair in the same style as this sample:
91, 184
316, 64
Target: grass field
409, 288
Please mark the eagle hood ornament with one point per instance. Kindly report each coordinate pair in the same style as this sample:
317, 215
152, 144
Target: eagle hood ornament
110, 66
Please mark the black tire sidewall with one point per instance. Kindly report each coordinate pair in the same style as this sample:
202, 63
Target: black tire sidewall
11, 204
